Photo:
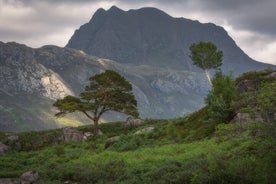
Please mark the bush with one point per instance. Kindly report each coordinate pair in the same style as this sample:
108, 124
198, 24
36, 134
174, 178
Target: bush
221, 97
171, 131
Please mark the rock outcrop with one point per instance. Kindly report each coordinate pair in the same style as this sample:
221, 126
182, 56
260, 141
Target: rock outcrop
4, 148
144, 130
29, 177
242, 117
9, 181
72, 134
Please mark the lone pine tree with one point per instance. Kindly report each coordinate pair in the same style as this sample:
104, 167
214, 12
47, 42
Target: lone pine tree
108, 91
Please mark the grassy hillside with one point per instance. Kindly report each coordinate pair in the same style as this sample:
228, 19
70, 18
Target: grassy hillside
192, 149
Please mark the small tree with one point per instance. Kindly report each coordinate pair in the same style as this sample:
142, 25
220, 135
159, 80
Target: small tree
206, 56
108, 91
221, 97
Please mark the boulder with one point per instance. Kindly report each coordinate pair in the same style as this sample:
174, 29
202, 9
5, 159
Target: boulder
144, 130
29, 177
9, 181
247, 85
100, 132
13, 138
3, 148
273, 75
131, 121
87, 135
114, 138
72, 134
243, 117
13, 142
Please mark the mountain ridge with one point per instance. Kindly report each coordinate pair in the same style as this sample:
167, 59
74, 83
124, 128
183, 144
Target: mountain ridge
150, 36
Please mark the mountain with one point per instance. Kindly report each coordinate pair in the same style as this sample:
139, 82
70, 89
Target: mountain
148, 36
31, 79
147, 46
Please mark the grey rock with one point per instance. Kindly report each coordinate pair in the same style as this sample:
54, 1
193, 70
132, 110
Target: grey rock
247, 117
9, 181
100, 132
144, 130
13, 138
87, 135
72, 134
4, 148
114, 138
130, 121
29, 177
247, 86
14, 142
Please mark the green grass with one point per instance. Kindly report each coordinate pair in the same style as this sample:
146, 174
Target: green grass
234, 154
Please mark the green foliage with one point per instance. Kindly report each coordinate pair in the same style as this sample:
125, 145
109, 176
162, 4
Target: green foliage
171, 131
108, 91
260, 102
266, 101
243, 154
205, 55
221, 97
126, 143
257, 76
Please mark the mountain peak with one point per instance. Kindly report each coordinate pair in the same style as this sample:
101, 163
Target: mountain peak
114, 8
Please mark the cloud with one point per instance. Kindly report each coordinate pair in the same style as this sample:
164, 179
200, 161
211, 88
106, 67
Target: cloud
37, 23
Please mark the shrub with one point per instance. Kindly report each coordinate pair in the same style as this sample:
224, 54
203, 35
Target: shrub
221, 97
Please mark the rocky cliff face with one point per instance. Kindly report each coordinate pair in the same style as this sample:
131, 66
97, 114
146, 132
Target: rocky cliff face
20, 73
152, 37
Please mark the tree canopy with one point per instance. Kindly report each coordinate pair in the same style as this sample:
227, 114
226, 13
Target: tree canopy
108, 91
206, 56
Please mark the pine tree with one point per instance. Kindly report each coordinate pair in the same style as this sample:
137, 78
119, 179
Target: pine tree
108, 91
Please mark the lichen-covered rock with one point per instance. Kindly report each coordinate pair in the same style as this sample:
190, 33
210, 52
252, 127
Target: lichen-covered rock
144, 130
131, 121
9, 181
13, 138
4, 148
247, 86
247, 117
14, 142
72, 134
87, 135
29, 177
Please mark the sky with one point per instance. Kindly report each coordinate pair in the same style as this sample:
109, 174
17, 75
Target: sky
251, 23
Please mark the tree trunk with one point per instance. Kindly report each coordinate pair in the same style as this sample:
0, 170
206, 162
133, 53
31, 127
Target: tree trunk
207, 72
95, 120
95, 127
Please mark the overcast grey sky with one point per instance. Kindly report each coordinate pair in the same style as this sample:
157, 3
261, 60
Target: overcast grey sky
251, 23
